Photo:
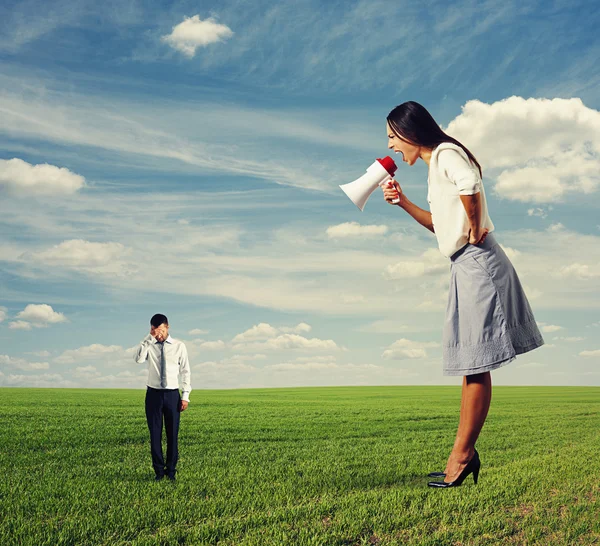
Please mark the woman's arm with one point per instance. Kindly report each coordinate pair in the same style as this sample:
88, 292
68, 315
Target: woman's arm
472, 204
392, 191
468, 182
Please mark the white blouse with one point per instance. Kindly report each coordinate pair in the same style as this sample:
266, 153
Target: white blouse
452, 174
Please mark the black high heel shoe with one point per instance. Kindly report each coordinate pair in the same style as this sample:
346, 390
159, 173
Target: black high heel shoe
473, 467
439, 474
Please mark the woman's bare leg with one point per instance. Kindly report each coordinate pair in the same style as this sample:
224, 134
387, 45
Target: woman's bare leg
475, 404
462, 416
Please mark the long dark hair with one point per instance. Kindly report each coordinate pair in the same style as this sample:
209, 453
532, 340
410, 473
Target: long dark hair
412, 122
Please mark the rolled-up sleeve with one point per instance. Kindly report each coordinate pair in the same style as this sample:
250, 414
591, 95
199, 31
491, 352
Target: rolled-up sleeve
458, 170
185, 374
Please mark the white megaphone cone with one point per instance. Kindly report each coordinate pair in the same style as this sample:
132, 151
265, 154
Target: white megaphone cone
380, 172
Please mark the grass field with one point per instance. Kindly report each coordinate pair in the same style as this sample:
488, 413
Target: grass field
314, 466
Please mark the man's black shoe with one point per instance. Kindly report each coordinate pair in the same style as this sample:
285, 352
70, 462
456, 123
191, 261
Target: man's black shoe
171, 477
158, 477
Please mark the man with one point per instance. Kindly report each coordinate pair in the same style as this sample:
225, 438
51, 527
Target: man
168, 364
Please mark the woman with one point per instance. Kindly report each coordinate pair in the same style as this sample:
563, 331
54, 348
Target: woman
488, 318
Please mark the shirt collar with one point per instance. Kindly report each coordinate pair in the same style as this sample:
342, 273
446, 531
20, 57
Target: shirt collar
169, 339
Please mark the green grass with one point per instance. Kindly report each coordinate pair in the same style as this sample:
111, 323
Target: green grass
314, 466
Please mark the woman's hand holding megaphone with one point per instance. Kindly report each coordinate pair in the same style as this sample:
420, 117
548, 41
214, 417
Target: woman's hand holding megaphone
392, 193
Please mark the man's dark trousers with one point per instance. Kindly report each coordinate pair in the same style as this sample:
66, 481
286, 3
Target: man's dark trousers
163, 404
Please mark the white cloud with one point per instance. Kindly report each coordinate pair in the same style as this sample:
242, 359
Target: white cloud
532, 293
323, 358
3, 314
212, 345
354, 229
21, 178
91, 376
305, 363
22, 364
540, 212
288, 342
431, 262
573, 339
40, 316
542, 149
353, 299
198, 332
19, 325
579, 271
407, 349
41, 354
193, 33
512, 253
52, 380
96, 351
301, 328
265, 331
384, 327
246, 358
595, 353
535, 365
549, 328
302, 366
258, 331
223, 365
85, 256
320, 365
86, 372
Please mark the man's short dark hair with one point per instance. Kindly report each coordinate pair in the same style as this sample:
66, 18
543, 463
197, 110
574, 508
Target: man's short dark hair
159, 319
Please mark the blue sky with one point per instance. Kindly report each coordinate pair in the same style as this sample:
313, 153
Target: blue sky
184, 158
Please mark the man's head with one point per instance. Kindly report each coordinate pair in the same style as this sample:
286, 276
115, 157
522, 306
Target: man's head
159, 327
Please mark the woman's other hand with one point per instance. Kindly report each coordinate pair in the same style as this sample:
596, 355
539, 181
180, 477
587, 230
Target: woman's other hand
476, 238
392, 193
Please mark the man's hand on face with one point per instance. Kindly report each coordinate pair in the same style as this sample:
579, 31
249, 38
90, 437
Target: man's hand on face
161, 333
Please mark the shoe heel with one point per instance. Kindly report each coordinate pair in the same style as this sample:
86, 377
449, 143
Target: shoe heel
476, 475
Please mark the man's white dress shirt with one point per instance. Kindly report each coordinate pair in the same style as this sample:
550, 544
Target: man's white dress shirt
178, 364
451, 174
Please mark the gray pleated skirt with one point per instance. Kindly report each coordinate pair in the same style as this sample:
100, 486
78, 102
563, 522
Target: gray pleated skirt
488, 318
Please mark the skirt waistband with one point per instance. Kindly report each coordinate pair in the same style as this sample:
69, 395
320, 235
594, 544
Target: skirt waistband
469, 249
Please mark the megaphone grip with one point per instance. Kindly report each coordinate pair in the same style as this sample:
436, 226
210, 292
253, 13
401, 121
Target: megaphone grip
383, 183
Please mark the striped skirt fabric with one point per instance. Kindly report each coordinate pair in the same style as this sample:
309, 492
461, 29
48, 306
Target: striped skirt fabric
488, 318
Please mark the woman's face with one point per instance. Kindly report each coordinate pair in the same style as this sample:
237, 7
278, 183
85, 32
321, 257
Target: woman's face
410, 152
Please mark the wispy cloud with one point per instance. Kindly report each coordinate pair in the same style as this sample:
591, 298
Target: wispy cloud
197, 135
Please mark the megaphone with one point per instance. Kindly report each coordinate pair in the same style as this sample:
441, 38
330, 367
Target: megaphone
379, 173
